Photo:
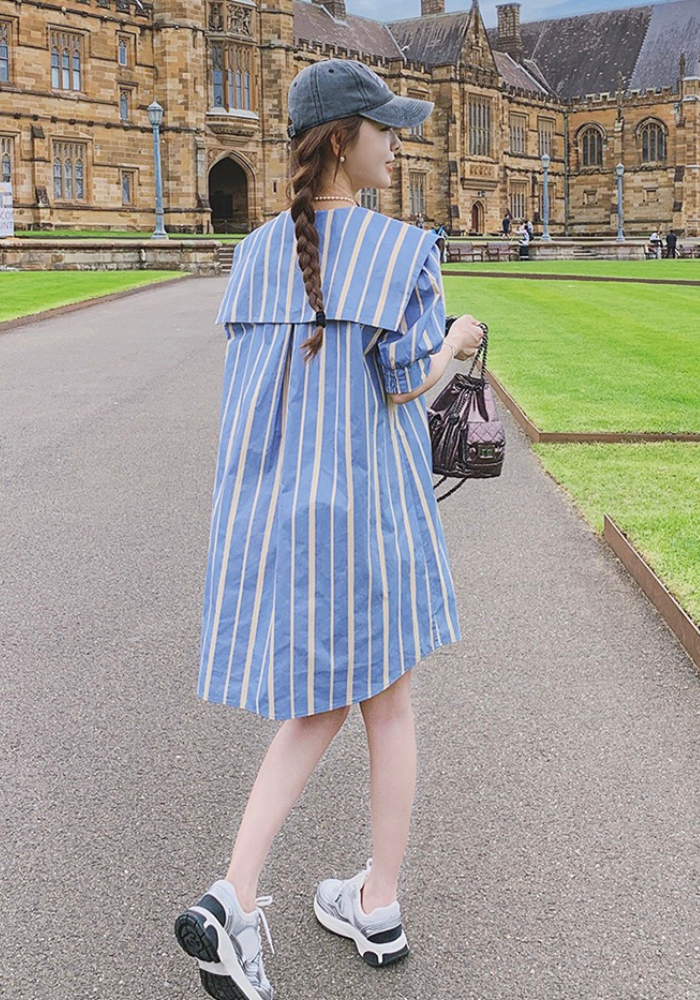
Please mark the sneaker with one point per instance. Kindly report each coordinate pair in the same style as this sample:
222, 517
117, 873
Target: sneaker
379, 935
226, 943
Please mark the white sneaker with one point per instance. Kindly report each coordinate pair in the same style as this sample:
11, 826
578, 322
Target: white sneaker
379, 935
226, 943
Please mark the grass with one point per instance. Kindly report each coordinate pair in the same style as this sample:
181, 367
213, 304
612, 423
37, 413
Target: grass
24, 293
688, 270
652, 492
591, 357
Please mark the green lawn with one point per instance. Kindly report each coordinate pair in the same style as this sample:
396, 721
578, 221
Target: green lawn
23, 293
592, 357
652, 492
688, 270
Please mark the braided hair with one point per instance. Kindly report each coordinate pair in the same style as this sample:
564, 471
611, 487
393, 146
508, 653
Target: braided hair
311, 152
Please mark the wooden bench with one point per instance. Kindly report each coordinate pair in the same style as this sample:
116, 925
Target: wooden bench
501, 251
463, 251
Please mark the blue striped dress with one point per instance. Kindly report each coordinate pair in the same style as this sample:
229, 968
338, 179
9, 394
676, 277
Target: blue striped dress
328, 576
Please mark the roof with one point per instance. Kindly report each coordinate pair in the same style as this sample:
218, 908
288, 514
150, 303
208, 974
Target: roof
674, 28
313, 23
516, 75
436, 40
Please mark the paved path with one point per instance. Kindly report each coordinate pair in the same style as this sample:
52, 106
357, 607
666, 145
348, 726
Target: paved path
554, 853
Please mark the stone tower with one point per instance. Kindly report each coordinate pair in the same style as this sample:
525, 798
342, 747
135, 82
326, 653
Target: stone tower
428, 7
336, 8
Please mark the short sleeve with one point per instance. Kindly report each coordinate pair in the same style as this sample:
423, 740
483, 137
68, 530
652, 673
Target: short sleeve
404, 354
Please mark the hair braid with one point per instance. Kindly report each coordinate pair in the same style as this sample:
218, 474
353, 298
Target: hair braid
305, 183
311, 152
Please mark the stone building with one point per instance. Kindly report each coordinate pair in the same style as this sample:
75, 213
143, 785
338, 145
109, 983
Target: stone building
76, 79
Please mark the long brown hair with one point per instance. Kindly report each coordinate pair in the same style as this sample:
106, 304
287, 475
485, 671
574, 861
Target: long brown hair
311, 152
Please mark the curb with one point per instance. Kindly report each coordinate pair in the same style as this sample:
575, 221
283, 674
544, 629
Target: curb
13, 324
570, 277
601, 437
679, 622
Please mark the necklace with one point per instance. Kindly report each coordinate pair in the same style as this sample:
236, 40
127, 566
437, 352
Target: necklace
335, 197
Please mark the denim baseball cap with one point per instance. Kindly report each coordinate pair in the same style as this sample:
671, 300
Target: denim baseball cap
341, 88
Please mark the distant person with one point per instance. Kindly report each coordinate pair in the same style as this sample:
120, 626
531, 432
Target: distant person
506, 224
524, 234
655, 244
420, 221
442, 242
530, 229
671, 243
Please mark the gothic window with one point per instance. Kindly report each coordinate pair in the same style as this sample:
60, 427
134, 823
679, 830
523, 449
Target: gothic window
5, 159
592, 147
518, 196
4, 52
369, 198
232, 78
417, 130
416, 186
479, 126
124, 105
66, 60
123, 52
518, 133
653, 143
68, 171
545, 136
128, 177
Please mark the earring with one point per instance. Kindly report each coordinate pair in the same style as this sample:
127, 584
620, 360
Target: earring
342, 159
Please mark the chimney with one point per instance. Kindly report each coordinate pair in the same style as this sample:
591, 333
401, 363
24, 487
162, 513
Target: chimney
428, 7
336, 8
509, 37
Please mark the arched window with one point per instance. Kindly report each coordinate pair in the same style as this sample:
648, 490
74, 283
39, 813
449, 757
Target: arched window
653, 143
5, 161
123, 54
79, 180
68, 178
76, 69
57, 178
65, 69
4, 52
124, 105
592, 147
55, 69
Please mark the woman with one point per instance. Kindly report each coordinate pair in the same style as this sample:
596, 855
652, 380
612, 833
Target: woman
328, 576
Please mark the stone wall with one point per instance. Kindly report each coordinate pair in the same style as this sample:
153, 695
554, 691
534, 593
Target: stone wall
194, 256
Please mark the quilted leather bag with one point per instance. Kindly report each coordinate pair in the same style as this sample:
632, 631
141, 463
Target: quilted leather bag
468, 439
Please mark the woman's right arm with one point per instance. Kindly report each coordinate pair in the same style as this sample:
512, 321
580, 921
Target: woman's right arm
462, 342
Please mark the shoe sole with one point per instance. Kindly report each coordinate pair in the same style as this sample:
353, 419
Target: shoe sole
374, 954
201, 936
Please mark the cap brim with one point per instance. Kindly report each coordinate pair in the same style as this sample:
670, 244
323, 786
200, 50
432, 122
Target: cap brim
400, 112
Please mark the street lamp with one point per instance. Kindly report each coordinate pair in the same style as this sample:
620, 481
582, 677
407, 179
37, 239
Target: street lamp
545, 199
155, 117
619, 170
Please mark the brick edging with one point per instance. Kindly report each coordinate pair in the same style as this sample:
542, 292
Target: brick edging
679, 622
13, 324
593, 437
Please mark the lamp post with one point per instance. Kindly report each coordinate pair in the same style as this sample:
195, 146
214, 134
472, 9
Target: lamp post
619, 170
155, 117
545, 199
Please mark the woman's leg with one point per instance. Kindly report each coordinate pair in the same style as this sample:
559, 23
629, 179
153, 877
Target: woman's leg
391, 737
291, 759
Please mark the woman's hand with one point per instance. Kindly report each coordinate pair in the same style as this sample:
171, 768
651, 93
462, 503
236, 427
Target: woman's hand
465, 336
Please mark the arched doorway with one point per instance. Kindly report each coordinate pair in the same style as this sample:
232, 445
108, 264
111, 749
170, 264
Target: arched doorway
477, 218
228, 197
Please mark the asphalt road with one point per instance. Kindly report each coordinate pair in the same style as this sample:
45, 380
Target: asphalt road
554, 852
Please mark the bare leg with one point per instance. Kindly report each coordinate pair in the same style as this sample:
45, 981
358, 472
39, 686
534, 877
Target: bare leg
391, 736
291, 759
